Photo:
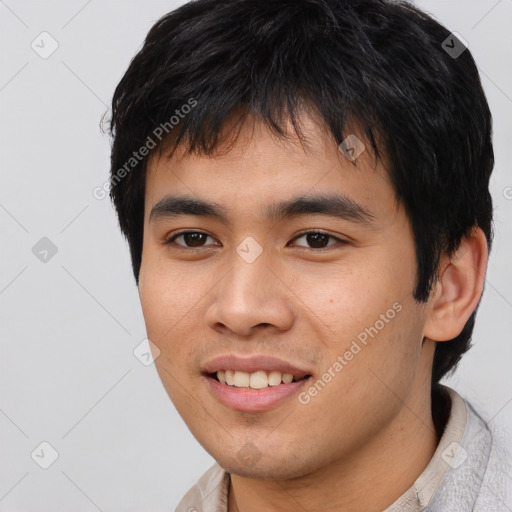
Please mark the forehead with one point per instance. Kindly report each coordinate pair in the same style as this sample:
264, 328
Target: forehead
257, 167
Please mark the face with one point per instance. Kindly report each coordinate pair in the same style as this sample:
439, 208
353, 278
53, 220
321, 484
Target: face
270, 281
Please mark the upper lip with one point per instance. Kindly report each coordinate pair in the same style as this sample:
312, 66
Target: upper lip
253, 364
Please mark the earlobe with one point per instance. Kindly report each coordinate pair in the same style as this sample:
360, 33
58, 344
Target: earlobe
459, 288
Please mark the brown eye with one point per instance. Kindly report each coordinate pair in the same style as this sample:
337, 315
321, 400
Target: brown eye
190, 239
317, 240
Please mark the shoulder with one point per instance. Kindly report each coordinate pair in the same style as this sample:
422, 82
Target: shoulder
209, 494
475, 479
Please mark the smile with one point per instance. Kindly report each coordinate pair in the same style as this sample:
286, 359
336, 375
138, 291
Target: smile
255, 380
249, 399
253, 384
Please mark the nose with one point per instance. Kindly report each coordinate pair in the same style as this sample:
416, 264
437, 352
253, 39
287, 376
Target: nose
251, 296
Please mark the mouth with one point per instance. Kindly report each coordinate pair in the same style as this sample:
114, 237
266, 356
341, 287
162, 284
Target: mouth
254, 384
255, 380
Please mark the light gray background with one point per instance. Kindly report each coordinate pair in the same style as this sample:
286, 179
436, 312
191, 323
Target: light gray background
68, 327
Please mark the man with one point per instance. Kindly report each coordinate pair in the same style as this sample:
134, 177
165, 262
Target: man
304, 188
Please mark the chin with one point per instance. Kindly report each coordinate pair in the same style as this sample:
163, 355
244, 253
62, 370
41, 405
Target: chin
266, 468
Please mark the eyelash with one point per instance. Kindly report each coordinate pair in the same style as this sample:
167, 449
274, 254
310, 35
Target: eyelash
171, 240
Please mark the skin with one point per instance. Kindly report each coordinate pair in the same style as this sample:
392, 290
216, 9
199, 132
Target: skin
368, 434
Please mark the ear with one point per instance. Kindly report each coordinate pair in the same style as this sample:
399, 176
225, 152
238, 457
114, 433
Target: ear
459, 288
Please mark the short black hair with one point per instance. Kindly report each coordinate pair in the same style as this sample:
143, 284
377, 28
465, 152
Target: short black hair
379, 63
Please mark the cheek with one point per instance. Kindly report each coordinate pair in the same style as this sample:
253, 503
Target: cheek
345, 298
168, 310
167, 304
366, 314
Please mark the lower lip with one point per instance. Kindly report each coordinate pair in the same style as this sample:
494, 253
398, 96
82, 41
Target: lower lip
254, 400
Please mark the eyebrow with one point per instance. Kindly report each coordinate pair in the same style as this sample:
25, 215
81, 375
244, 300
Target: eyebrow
333, 205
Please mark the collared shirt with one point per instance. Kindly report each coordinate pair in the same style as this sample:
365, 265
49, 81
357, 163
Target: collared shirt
458, 478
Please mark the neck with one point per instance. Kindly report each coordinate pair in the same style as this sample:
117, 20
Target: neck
370, 479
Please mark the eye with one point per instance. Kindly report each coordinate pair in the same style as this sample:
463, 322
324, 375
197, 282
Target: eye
318, 239
190, 238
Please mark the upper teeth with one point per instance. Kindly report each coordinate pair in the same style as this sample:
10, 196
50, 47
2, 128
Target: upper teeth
256, 380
